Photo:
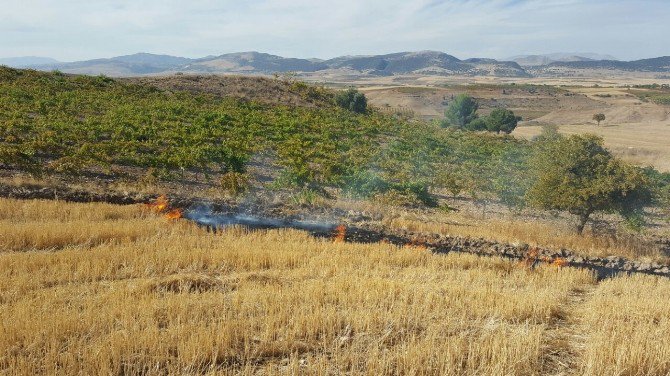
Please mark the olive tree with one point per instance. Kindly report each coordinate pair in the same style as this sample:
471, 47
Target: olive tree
502, 120
599, 117
578, 175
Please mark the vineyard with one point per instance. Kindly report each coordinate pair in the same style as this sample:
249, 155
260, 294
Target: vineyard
60, 124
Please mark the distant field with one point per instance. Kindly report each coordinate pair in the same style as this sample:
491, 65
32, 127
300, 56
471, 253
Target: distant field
643, 144
637, 125
103, 289
637, 131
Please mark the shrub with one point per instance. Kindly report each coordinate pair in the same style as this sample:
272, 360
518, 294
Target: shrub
460, 112
352, 100
364, 184
478, 124
502, 120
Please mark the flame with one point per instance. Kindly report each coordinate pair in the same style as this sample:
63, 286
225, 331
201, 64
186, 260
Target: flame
159, 205
340, 234
560, 262
531, 258
174, 214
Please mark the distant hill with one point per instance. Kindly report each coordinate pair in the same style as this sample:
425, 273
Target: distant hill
127, 65
401, 63
252, 62
425, 62
659, 64
26, 61
537, 60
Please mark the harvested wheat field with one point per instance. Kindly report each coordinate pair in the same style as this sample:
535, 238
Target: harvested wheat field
103, 289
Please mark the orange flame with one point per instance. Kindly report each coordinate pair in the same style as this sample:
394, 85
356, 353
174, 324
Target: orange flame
159, 205
174, 214
340, 234
560, 262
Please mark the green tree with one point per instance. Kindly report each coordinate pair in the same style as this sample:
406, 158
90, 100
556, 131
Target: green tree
479, 124
460, 112
578, 175
599, 117
352, 100
502, 120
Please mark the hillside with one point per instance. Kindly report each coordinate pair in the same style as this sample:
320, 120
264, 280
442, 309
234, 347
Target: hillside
272, 147
251, 62
536, 60
249, 88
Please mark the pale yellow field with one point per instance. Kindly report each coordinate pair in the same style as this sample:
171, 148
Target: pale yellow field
160, 297
637, 131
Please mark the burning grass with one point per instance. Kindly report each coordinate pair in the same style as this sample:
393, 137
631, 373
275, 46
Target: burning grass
178, 300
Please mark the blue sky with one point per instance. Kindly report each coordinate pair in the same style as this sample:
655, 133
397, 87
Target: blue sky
81, 29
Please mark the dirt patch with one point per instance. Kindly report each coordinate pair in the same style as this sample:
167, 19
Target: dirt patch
258, 89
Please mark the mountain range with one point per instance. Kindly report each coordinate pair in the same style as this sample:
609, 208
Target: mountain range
423, 62
563, 57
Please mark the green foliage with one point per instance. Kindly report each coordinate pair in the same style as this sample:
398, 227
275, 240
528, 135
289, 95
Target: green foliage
50, 122
352, 100
57, 123
478, 124
501, 120
659, 94
460, 112
364, 184
578, 175
548, 133
660, 188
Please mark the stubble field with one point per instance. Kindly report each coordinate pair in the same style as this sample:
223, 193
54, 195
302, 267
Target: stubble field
103, 289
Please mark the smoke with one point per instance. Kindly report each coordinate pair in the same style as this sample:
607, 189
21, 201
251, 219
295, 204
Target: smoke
206, 217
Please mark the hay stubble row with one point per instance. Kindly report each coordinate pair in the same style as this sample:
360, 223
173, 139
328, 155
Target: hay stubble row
165, 297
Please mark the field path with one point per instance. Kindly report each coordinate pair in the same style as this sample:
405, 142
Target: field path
565, 337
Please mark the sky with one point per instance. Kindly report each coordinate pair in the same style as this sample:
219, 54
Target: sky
71, 30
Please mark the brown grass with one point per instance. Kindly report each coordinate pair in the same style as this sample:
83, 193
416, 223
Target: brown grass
628, 321
515, 230
169, 298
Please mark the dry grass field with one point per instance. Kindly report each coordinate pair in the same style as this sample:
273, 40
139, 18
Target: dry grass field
503, 226
635, 130
103, 289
